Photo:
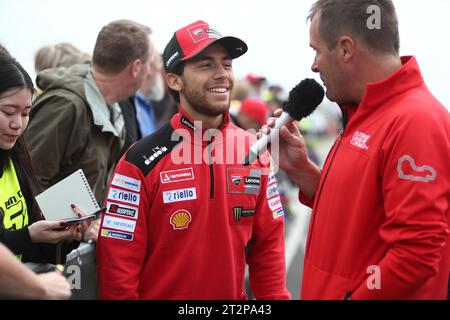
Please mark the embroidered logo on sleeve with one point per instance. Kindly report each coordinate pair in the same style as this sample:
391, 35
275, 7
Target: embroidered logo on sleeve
110, 222
124, 196
360, 140
126, 182
116, 234
157, 152
273, 197
408, 170
122, 210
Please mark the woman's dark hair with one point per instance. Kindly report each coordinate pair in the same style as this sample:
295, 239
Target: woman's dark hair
13, 75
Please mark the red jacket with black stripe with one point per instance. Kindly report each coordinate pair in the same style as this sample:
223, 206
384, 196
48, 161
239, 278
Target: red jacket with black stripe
379, 228
177, 227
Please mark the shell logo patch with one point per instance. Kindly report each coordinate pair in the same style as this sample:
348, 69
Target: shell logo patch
180, 219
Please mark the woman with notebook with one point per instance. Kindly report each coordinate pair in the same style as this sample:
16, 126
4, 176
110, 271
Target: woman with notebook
22, 227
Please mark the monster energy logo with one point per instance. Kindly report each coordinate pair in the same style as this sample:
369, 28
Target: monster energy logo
239, 212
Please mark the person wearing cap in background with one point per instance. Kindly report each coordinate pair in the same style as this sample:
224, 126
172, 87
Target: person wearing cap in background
256, 82
251, 115
186, 229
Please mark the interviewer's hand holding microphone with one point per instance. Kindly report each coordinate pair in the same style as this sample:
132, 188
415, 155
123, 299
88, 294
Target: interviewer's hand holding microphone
293, 155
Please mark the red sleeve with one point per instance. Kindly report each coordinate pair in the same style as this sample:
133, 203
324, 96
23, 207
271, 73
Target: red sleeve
122, 240
415, 175
266, 254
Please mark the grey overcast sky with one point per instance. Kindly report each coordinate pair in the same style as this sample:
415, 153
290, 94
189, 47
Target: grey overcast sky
275, 31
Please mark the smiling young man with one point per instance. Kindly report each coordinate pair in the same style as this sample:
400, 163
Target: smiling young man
186, 229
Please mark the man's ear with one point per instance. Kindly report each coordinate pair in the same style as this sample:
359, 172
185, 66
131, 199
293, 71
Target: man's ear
346, 47
174, 82
135, 67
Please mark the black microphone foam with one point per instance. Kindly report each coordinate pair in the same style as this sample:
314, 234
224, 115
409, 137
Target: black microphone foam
304, 99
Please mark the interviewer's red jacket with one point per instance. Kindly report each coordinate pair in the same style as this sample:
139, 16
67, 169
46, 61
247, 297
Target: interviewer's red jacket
379, 228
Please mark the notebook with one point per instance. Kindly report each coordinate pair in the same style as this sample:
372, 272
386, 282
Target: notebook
75, 189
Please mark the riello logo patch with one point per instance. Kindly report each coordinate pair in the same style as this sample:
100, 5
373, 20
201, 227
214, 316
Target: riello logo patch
124, 196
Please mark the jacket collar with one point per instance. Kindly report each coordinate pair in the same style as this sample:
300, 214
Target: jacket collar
101, 113
182, 121
376, 94
404, 79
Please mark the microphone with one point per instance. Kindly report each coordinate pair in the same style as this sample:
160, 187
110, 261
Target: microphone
303, 100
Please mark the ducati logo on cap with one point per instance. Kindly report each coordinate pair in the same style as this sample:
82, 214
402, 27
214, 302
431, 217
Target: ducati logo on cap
198, 33
202, 32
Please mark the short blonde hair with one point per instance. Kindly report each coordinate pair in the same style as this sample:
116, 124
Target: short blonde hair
59, 55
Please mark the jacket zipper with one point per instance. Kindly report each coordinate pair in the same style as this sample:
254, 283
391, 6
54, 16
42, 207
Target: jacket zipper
211, 170
336, 148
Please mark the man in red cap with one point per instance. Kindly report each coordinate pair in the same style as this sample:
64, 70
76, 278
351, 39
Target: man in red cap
256, 82
252, 114
186, 229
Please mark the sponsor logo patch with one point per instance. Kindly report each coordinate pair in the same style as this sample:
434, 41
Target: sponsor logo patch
272, 190
116, 235
278, 214
243, 180
408, 170
239, 213
360, 140
236, 180
124, 196
187, 123
252, 181
157, 152
272, 178
179, 195
119, 223
172, 57
122, 210
202, 32
126, 182
180, 219
275, 203
177, 175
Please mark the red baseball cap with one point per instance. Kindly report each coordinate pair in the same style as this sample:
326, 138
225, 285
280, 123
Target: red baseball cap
193, 39
254, 78
255, 109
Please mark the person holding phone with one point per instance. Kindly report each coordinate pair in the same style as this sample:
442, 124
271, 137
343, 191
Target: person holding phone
22, 227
